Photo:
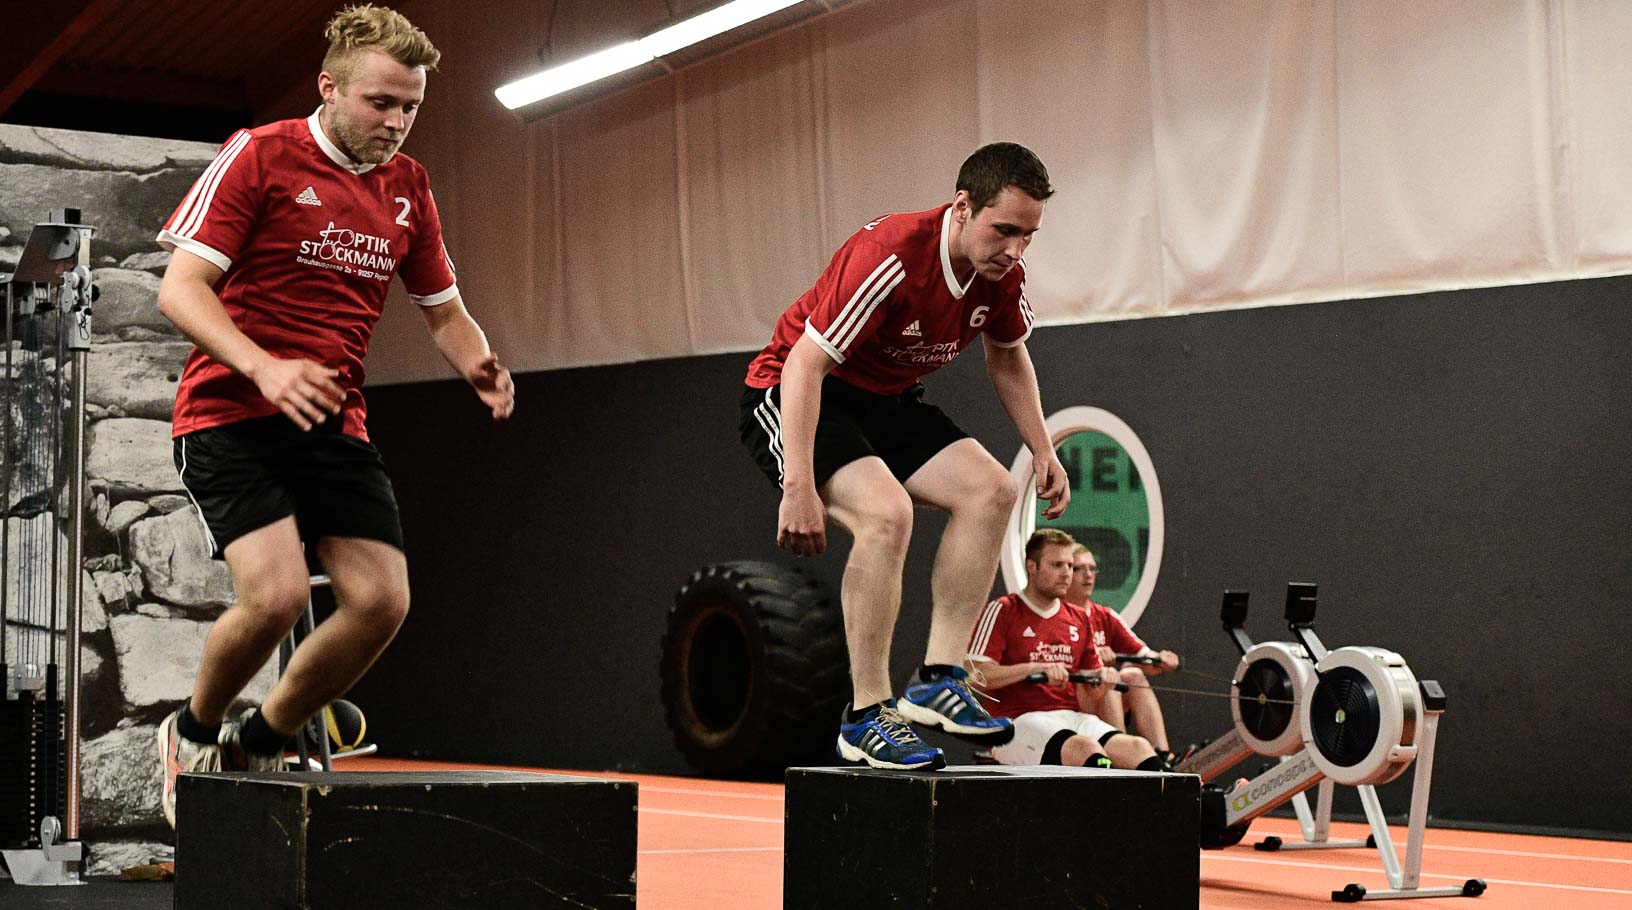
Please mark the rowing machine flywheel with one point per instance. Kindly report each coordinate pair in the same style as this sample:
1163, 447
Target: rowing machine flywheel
1362, 716
1272, 680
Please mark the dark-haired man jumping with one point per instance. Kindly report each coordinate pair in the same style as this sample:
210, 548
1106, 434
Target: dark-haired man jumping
834, 413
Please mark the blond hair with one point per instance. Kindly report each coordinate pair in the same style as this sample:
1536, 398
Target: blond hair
1043, 537
356, 29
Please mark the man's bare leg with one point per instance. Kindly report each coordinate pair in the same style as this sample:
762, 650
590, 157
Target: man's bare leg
1105, 705
370, 583
1146, 711
866, 499
966, 482
269, 573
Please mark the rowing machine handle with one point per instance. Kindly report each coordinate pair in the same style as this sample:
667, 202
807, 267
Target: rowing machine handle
1144, 660
1087, 679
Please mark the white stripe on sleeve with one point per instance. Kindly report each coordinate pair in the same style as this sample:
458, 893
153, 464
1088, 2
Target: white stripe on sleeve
440, 297
184, 212
171, 241
861, 291
856, 313
1026, 314
983, 629
208, 183
823, 343
881, 291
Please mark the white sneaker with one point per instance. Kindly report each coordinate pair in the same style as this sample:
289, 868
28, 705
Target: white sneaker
234, 757
180, 755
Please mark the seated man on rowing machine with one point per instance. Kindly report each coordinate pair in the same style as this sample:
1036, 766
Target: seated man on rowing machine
1112, 637
1036, 633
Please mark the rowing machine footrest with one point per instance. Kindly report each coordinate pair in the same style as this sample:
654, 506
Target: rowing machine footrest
1214, 834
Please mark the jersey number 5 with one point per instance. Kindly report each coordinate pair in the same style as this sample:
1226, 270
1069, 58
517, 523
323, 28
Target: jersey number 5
978, 317
402, 216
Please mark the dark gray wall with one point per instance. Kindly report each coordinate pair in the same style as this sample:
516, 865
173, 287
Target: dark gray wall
1451, 469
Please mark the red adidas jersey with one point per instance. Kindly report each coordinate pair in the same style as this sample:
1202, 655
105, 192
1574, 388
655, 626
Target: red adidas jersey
1110, 631
890, 311
1012, 631
309, 241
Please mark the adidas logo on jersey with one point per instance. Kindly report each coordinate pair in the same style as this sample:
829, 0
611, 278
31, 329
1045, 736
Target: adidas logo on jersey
913, 330
308, 196
1028, 633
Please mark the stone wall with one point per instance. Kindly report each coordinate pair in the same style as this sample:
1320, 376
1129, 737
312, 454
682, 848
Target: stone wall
151, 589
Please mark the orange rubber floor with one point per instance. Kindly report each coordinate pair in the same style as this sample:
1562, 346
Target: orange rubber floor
717, 845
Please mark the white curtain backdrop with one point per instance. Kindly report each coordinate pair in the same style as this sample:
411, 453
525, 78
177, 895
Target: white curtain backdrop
1208, 154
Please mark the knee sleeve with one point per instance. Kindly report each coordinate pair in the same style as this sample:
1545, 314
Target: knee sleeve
1051, 752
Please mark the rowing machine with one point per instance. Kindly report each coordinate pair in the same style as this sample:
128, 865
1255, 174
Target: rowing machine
1270, 682
1362, 719
1272, 679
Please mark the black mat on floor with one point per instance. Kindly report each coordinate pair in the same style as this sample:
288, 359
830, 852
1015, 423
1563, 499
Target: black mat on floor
96, 893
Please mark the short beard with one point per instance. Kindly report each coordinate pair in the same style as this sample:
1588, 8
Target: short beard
360, 146
371, 154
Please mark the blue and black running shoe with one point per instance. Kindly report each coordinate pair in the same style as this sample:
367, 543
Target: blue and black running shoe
882, 739
946, 701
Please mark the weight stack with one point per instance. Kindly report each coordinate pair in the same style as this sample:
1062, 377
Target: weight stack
975, 838
30, 732
478, 839
19, 828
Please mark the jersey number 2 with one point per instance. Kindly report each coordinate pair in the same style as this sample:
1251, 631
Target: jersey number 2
402, 216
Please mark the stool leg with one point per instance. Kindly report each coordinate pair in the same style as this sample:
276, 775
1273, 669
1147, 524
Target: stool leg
286, 650
325, 755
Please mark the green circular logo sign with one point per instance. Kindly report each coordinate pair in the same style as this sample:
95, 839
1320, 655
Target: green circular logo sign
1115, 509
1109, 512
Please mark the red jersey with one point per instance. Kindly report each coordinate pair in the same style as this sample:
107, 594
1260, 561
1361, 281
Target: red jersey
889, 309
1110, 631
309, 241
1013, 631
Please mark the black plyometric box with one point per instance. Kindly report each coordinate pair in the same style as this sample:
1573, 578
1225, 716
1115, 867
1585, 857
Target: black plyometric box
991, 837
487, 839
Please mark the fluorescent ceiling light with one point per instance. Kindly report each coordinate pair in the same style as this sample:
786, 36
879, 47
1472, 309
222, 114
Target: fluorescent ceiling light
614, 60
707, 25
567, 76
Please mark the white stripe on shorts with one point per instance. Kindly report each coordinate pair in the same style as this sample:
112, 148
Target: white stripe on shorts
770, 420
209, 538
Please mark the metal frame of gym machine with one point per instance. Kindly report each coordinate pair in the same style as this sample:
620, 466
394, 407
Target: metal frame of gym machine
39, 713
1401, 712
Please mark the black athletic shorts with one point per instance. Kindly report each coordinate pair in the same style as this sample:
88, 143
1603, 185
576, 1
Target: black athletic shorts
902, 429
244, 476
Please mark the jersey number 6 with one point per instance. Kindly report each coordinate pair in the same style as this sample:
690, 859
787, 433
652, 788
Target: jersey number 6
978, 317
